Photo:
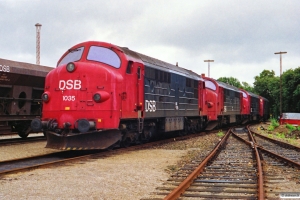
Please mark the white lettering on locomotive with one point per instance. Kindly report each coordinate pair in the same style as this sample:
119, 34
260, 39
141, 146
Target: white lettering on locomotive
4, 68
150, 106
69, 98
69, 84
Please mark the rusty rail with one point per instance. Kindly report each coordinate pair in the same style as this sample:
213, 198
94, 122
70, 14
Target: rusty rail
261, 193
260, 182
277, 141
189, 180
279, 156
281, 144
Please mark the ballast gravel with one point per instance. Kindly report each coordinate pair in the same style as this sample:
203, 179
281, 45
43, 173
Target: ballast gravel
130, 175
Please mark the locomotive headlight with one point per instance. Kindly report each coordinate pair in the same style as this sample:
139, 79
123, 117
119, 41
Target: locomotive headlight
70, 67
97, 97
45, 97
101, 96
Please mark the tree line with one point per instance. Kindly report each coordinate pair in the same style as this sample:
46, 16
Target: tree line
268, 86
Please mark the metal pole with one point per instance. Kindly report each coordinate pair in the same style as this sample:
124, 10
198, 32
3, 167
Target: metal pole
280, 80
38, 30
208, 61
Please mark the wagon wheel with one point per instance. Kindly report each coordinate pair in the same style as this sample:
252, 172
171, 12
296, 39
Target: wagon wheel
23, 134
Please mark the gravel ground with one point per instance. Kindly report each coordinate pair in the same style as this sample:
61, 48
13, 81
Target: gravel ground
131, 175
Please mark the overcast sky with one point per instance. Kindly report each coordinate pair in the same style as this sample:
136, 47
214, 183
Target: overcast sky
241, 36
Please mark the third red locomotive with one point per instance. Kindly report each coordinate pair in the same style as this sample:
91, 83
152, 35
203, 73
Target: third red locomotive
101, 94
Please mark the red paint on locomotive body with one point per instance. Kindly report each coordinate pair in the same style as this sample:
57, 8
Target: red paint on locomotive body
212, 102
98, 90
246, 103
264, 111
71, 93
101, 94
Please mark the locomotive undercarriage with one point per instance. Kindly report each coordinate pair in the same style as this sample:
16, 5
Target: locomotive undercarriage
155, 129
130, 132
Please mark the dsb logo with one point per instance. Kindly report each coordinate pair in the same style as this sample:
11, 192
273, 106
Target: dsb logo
69, 84
150, 106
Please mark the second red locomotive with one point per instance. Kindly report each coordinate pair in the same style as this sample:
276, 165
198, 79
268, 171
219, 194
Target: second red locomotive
101, 94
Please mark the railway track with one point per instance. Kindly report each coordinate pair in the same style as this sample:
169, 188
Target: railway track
23, 164
224, 173
4, 142
285, 150
46, 160
240, 167
281, 165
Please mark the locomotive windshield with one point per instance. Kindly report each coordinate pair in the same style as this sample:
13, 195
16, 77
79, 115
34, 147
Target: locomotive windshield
72, 56
210, 85
104, 55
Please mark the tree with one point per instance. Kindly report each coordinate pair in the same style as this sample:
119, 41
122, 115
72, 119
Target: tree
267, 85
247, 87
231, 81
291, 90
235, 82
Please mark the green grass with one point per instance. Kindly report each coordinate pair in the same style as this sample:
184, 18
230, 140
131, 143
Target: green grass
280, 135
291, 127
220, 134
274, 122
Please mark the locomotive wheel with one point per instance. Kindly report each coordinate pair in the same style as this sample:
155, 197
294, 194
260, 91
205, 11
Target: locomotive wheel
126, 143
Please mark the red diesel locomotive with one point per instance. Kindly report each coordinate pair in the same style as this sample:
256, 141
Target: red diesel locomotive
101, 94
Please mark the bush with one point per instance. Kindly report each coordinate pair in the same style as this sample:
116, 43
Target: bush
274, 123
291, 127
271, 128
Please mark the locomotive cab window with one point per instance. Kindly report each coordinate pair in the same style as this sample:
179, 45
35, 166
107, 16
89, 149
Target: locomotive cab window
210, 85
73, 56
104, 55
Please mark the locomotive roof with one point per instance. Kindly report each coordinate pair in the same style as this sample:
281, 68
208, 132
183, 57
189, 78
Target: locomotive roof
227, 86
253, 95
263, 98
161, 65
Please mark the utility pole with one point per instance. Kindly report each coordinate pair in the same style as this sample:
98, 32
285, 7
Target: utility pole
38, 31
209, 61
280, 79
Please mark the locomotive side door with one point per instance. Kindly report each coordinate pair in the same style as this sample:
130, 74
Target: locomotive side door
139, 68
133, 93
